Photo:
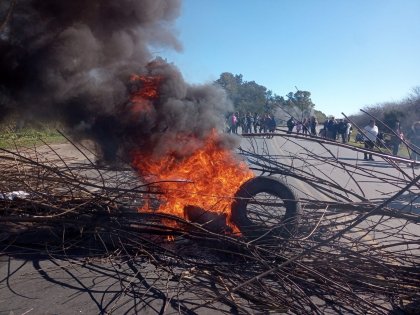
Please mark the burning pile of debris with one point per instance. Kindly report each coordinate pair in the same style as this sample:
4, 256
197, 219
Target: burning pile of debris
344, 255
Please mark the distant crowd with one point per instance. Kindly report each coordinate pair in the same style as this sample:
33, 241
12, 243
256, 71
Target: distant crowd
341, 129
332, 129
251, 123
307, 126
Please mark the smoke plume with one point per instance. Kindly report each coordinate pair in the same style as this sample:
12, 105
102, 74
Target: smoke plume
72, 61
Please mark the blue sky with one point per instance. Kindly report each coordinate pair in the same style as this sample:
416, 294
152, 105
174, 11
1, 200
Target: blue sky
347, 53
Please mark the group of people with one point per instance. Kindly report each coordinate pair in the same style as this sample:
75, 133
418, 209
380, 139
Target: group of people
337, 129
341, 129
371, 134
332, 129
307, 126
251, 123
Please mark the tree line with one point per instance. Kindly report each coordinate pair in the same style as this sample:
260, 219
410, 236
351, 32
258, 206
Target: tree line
248, 96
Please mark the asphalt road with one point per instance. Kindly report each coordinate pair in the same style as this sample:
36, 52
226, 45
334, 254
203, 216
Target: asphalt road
40, 285
303, 154
376, 181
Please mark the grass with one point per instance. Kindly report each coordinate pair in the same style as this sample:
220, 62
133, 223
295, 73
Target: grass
28, 136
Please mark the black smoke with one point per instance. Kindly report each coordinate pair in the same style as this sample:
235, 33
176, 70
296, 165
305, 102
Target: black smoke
71, 61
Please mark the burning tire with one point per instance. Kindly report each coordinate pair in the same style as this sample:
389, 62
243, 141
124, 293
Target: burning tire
266, 206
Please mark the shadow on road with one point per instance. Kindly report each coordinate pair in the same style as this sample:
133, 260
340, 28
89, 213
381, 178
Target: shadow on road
78, 281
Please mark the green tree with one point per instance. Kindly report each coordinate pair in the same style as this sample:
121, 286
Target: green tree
273, 102
245, 96
232, 84
248, 96
299, 104
252, 97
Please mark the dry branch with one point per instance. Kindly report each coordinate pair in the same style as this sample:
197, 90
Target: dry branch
351, 254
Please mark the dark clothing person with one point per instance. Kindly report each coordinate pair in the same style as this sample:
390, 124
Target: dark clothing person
290, 125
313, 125
272, 124
305, 126
249, 121
267, 123
332, 129
323, 131
263, 123
341, 129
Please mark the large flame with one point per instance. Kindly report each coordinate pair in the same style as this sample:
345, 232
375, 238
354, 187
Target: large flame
208, 178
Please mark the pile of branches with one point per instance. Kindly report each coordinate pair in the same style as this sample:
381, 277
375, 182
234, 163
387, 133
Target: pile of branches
351, 254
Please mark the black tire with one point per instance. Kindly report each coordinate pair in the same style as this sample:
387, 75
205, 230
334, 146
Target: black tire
266, 206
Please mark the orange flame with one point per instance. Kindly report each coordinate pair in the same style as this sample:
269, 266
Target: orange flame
208, 178
142, 99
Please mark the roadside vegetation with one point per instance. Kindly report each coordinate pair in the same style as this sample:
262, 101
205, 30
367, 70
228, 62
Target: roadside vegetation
14, 135
407, 111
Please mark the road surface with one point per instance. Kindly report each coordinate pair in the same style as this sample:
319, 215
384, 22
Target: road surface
39, 285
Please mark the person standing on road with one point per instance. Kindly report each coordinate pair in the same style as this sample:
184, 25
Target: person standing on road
332, 129
241, 122
414, 138
371, 132
348, 130
263, 123
313, 125
341, 129
290, 125
298, 127
396, 138
249, 121
272, 124
232, 123
305, 126
256, 122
